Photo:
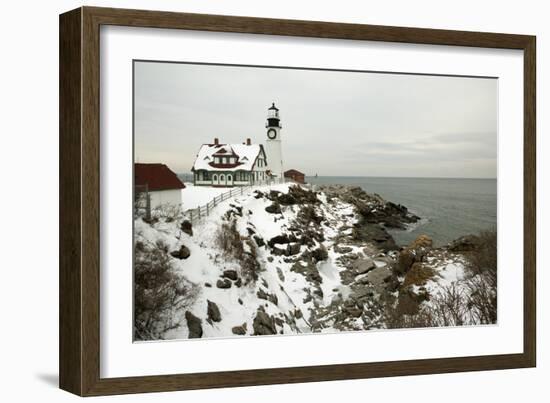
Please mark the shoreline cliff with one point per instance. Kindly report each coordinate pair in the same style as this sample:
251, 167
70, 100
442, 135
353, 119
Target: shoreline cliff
287, 260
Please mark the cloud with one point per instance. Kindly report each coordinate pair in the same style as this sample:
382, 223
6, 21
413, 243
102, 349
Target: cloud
334, 123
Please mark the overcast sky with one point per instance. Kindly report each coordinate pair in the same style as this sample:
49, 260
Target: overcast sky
334, 123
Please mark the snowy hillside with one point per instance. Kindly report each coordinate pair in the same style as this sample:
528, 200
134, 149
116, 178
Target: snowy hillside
287, 260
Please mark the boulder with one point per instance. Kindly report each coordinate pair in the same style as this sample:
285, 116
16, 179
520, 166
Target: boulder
182, 253
264, 324
268, 297
230, 274
320, 254
343, 249
278, 251
213, 312
274, 208
239, 330
286, 199
353, 311
405, 261
194, 325
223, 283
362, 266
414, 253
259, 240
187, 227
293, 249
279, 239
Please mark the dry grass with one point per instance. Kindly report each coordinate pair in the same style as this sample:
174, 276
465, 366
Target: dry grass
240, 248
418, 275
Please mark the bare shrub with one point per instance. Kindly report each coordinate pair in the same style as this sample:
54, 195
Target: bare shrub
484, 257
482, 284
240, 248
482, 298
159, 292
167, 212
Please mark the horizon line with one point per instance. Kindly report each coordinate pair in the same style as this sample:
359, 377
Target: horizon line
386, 177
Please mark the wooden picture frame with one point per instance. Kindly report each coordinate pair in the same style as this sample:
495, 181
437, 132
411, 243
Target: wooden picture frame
79, 346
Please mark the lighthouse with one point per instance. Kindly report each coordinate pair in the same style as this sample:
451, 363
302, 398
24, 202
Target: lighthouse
273, 143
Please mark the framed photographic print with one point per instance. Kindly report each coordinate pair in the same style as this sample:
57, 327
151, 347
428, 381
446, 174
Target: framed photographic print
249, 201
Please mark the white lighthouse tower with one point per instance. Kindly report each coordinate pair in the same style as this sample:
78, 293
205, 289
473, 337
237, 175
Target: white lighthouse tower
273, 143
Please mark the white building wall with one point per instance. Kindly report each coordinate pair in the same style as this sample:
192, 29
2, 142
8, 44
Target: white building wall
165, 197
273, 149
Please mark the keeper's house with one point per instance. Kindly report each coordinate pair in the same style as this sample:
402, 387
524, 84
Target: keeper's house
159, 183
228, 165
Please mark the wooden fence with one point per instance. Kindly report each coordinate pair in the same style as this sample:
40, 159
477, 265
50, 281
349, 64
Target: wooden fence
205, 210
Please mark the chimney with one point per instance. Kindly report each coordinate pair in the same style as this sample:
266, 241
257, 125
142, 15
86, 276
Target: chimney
216, 141
248, 142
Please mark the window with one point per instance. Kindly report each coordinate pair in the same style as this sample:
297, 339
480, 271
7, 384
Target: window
229, 178
215, 178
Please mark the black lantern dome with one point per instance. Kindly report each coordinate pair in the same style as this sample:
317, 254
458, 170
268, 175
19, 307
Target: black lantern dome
273, 119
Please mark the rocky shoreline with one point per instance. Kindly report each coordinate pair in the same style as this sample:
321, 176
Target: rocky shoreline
289, 259
376, 215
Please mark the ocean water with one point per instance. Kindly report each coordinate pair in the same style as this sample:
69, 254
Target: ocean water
449, 208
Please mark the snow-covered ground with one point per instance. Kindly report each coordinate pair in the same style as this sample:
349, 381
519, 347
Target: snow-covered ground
295, 297
195, 196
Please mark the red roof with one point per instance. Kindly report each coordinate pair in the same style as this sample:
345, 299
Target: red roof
292, 172
156, 177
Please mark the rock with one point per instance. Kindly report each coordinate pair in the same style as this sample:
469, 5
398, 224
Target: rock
293, 249
259, 240
240, 301
280, 274
278, 251
239, 330
298, 313
239, 282
250, 231
413, 253
355, 312
302, 195
207, 285
270, 259
405, 261
213, 312
187, 227
225, 283
268, 297
466, 243
379, 278
279, 239
182, 253
320, 254
274, 208
362, 266
264, 324
392, 283
343, 249
230, 274
286, 199
194, 325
